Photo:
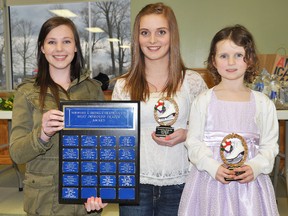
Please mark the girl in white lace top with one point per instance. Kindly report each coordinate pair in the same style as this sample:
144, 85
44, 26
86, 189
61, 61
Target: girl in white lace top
157, 70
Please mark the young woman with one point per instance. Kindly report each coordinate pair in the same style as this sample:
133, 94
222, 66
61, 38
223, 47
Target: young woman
212, 189
157, 72
36, 119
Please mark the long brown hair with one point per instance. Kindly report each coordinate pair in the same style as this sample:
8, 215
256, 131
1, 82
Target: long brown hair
241, 37
136, 83
43, 78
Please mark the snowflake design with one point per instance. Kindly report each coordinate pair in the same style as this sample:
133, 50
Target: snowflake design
107, 181
126, 181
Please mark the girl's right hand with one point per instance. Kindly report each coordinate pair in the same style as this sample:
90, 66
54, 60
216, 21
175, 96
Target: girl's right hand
52, 121
223, 173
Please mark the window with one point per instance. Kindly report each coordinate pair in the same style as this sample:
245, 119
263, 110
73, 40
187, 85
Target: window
105, 42
2, 54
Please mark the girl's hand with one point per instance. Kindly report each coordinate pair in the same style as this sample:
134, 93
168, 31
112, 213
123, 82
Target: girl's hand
52, 121
93, 204
223, 173
171, 140
245, 177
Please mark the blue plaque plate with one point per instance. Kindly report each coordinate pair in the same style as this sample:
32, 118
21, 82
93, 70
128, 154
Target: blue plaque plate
88, 154
70, 154
89, 180
89, 167
99, 152
88, 192
127, 193
108, 193
127, 154
108, 167
107, 141
126, 167
70, 140
70, 167
128, 141
107, 154
70, 193
70, 180
107, 180
127, 181
88, 141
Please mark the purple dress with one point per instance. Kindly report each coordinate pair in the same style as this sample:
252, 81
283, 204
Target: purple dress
205, 196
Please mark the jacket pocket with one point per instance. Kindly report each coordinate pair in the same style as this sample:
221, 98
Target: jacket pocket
38, 194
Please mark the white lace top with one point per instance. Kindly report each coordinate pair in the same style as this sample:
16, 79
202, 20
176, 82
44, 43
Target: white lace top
161, 165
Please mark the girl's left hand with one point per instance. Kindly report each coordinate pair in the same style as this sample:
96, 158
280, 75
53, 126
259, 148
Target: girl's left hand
93, 204
171, 140
247, 176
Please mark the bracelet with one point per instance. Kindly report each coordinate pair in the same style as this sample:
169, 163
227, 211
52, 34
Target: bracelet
46, 133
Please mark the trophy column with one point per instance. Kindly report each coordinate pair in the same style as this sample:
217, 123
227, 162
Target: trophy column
166, 112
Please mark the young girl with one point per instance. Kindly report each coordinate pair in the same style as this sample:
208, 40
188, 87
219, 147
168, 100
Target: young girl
36, 119
231, 107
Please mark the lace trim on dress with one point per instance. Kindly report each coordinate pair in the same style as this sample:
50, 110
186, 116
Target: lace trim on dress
164, 180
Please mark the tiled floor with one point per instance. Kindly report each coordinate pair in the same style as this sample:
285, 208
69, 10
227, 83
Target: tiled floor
11, 200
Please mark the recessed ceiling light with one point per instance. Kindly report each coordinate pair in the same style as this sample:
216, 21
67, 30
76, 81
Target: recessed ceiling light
94, 29
64, 13
113, 39
125, 46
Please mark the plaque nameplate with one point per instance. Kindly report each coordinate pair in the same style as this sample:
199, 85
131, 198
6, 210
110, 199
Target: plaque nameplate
100, 117
99, 152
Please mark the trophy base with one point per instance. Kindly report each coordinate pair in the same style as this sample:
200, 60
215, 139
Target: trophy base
163, 131
237, 174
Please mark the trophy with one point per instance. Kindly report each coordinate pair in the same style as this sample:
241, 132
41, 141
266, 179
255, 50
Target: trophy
233, 152
165, 113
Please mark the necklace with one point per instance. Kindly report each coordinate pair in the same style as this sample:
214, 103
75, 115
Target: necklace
156, 87
152, 88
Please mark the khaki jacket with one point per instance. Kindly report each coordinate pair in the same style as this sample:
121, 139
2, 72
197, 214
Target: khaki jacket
42, 162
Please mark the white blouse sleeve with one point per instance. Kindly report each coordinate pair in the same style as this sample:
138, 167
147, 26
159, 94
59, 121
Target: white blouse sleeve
195, 83
118, 91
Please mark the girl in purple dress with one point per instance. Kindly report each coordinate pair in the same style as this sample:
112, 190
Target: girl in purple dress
231, 108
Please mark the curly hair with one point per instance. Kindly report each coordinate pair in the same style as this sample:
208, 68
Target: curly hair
241, 37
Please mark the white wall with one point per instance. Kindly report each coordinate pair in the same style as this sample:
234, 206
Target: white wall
199, 20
